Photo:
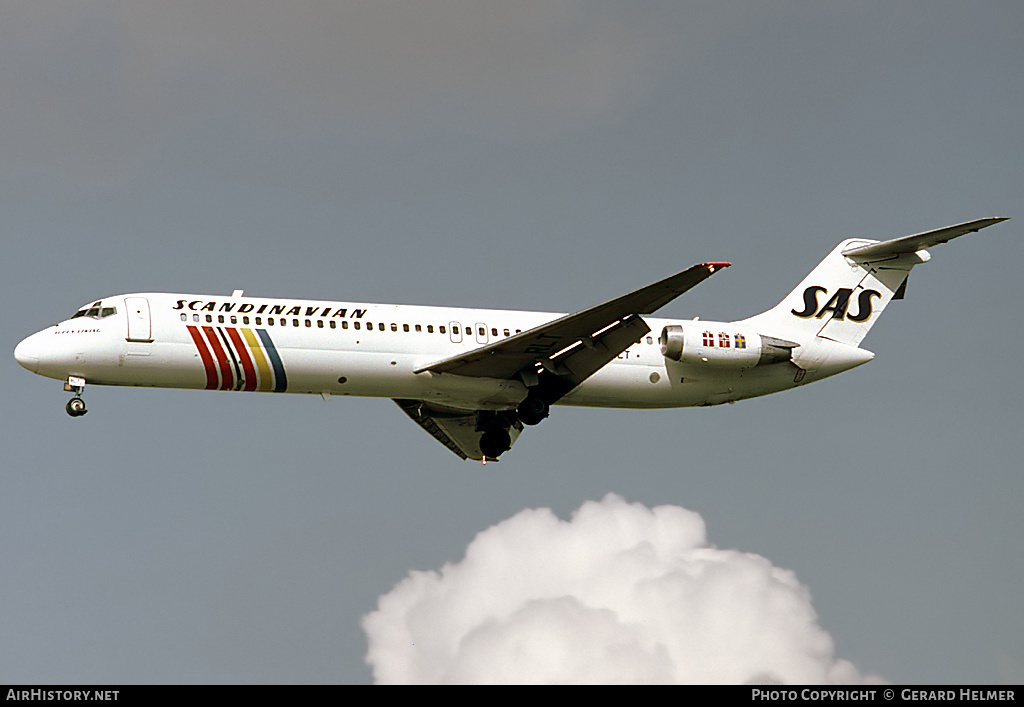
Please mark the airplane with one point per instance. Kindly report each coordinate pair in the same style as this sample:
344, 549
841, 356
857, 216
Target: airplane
475, 378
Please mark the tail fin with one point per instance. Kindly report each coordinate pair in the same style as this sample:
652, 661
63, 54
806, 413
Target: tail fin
843, 297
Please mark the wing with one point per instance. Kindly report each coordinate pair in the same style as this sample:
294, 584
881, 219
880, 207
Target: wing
460, 430
550, 359
574, 347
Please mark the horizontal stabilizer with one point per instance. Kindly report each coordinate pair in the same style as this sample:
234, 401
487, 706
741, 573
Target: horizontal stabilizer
912, 244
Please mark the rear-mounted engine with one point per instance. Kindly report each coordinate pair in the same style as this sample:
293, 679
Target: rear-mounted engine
723, 345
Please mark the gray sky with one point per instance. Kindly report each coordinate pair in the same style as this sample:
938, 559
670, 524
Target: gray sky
534, 155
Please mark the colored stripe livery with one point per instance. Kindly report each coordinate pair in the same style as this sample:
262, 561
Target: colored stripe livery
239, 359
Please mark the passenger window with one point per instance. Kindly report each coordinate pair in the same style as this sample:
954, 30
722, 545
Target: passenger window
209, 318
308, 323
245, 320
320, 323
270, 321
494, 332
394, 327
344, 324
419, 328
334, 324
430, 329
650, 340
455, 330
195, 317
356, 324
380, 325
405, 327
295, 322
220, 318
482, 332
441, 328
234, 319
507, 333
184, 317
259, 320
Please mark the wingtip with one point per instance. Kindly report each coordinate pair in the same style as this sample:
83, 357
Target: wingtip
716, 266
986, 222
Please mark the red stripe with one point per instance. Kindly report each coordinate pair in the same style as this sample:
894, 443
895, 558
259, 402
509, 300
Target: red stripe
244, 358
204, 353
227, 377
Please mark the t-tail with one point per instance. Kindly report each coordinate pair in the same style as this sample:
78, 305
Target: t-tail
842, 298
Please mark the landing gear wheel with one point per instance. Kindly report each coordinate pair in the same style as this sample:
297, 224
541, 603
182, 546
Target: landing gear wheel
532, 410
76, 407
494, 443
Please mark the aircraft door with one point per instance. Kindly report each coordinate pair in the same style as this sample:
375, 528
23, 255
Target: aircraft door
456, 332
139, 325
481, 333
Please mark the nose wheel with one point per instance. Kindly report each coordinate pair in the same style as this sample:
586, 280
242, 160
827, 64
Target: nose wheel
75, 406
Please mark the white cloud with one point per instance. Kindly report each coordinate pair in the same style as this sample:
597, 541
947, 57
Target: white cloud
618, 594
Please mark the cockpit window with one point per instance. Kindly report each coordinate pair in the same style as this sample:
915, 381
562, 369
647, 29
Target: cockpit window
95, 311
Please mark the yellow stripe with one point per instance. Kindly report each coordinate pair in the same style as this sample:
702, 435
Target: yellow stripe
262, 366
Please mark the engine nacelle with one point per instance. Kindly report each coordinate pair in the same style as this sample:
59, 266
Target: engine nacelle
722, 345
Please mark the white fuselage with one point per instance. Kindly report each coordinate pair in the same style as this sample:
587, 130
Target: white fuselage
364, 349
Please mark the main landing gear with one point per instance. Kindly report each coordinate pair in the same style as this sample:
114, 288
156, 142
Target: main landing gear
497, 437
75, 406
495, 442
532, 410
498, 429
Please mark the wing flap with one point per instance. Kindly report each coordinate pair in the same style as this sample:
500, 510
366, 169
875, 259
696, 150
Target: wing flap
583, 360
458, 430
418, 412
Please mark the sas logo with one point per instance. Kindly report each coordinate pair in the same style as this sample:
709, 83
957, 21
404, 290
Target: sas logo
837, 304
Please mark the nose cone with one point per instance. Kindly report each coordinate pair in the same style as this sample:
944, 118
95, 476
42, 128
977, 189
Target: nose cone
27, 353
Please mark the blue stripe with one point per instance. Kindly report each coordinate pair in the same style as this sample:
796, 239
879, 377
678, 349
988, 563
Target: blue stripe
280, 380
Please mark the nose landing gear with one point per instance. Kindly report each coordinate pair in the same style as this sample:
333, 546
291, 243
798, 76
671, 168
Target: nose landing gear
75, 406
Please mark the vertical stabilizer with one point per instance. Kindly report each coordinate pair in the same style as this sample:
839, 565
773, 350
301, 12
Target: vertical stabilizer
843, 297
